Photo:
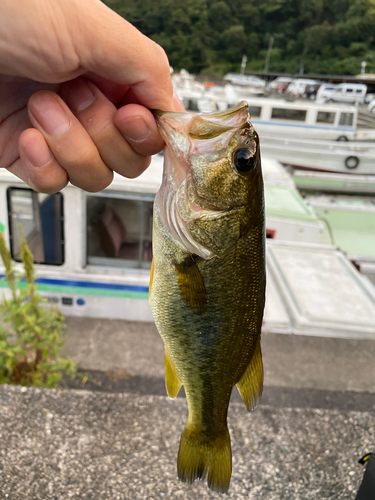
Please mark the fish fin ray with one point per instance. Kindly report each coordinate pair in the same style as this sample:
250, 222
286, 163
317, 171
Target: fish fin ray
199, 457
191, 285
172, 380
250, 385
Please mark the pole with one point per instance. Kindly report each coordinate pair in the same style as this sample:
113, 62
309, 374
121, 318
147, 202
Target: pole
243, 64
267, 63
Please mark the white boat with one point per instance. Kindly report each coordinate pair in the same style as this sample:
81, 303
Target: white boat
328, 156
249, 81
321, 292
93, 251
309, 180
297, 119
350, 221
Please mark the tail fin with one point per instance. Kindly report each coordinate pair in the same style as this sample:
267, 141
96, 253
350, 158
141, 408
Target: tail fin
200, 457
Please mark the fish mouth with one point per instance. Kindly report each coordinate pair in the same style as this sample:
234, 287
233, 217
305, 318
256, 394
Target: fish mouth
228, 113
200, 126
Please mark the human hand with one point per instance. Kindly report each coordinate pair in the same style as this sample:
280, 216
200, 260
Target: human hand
85, 79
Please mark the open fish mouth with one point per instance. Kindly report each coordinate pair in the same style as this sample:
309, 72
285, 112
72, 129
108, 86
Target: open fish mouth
201, 126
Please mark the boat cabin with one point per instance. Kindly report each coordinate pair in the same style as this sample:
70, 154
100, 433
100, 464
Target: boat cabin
303, 119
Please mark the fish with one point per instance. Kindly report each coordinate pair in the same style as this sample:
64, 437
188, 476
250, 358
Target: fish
207, 283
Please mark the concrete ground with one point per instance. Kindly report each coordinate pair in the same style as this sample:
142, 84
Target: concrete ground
118, 438
290, 361
59, 445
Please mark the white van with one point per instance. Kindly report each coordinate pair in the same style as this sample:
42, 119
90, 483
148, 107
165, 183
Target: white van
349, 92
325, 91
298, 86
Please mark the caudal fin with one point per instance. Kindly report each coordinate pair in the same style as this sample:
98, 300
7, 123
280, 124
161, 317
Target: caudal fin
200, 457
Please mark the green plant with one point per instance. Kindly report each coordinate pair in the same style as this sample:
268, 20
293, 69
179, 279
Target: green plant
33, 332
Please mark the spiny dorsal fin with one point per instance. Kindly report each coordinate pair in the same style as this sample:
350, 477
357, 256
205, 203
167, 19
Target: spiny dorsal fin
191, 285
251, 384
172, 380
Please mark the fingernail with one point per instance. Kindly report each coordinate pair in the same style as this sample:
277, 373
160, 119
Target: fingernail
39, 157
135, 129
78, 95
49, 114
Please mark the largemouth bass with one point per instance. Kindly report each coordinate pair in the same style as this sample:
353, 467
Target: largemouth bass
207, 282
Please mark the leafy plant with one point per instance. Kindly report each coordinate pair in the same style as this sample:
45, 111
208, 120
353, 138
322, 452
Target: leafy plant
33, 332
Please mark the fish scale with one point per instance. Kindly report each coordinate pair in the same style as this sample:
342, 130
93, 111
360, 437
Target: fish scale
208, 304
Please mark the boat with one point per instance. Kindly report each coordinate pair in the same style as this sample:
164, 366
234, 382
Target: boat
309, 180
350, 220
321, 155
93, 252
314, 290
300, 119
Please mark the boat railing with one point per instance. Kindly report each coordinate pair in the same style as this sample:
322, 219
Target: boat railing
338, 146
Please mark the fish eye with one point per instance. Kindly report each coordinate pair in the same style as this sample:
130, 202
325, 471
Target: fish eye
244, 160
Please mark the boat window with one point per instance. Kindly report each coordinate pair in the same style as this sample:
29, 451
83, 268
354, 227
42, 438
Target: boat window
325, 117
289, 114
359, 91
254, 111
41, 218
119, 230
346, 119
349, 90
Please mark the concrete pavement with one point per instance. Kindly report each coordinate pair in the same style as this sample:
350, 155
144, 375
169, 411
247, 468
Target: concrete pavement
59, 445
118, 438
290, 361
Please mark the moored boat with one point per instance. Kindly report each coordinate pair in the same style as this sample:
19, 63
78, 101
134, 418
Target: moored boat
328, 156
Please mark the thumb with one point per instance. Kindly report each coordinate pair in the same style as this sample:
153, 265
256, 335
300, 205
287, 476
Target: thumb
113, 48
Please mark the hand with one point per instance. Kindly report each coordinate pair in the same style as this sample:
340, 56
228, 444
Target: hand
76, 82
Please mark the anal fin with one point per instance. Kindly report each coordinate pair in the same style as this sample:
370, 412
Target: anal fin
251, 384
172, 380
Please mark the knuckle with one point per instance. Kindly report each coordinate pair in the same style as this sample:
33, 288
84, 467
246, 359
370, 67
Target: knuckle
97, 124
98, 185
47, 185
138, 167
87, 155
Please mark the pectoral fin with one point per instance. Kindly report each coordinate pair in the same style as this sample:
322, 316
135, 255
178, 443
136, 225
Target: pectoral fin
191, 285
251, 384
172, 380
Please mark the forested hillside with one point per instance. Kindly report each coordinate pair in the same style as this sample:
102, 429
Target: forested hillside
210, 37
